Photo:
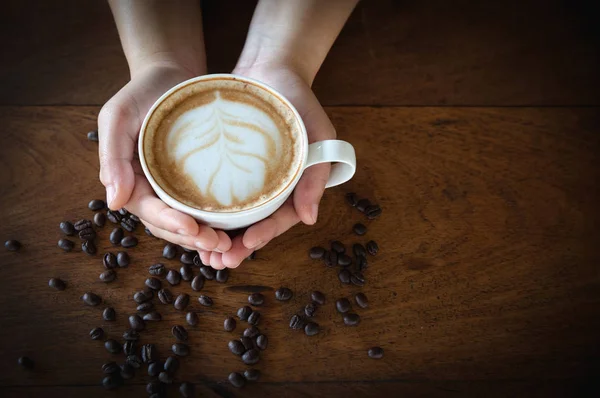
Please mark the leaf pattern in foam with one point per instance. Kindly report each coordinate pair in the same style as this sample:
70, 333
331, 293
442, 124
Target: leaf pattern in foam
226, 148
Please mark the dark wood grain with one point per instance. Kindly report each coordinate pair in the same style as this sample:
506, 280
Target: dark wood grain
391, 52
487, 270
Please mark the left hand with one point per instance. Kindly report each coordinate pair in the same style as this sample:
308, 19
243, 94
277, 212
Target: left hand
303, 205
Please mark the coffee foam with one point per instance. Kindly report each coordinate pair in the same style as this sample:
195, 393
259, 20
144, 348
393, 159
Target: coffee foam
223, 145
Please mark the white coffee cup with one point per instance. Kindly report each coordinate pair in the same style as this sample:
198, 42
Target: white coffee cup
340, 153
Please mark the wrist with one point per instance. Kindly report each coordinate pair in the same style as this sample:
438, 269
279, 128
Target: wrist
187, 64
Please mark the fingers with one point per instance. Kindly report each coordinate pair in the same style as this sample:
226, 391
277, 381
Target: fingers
238, 252
224, 242
308, 192
274, 225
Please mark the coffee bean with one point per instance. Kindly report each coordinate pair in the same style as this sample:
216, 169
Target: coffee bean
338, 247
129, 241
179, 333
351, 199
236, 380
116, 235
67, 228
113, 216
191, 318
122, 259
109, 314
229, 324
66, 244
296, 322
331, 259
165, 378
251, 357
109, 261
88, 247
361, 300
351, 319
222, 275
375, 352
372, 247
187, 258
205, 301
128, 224
252, 374
123, 211
186, 272
145, 307
154, 368
157, 269
141, 297
134, 217
262, 342
344, 260
358, 250
361, 262
127, 371
342, 305
112, 346
169, 251
149, 353
344, 276
357, 279
82, 224
110, 368
131, 335
180, 349
12, 245
198, 283
254, 318
181, 302
208, 272
311, 329
153, 283
96, 204
92, 136
186, 390
96, 333
87, 234
148, 232
256, 299
129, 347
236, 347
283, 294
359, 229
362, 204
310, 309
251, 332
247, 342
136, 322
372, 212
244, 312
99, 219
173, 277
198, 261
91, 299
26, 363
57, 284
153, 316
112, 382
171, 365
318, 297
108, 276
165, 296
316, 253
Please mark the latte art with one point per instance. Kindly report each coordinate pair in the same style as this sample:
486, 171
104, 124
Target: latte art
223, 145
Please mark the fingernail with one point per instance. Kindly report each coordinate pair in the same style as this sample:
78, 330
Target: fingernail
314, 212
181, 232
111, 192
199, 245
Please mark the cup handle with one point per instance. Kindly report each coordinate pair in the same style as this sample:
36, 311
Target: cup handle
341, 153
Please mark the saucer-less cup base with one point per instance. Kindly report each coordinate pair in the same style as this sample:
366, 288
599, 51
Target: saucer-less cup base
340, 153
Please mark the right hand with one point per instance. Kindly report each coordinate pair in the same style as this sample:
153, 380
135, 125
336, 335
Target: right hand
119, 124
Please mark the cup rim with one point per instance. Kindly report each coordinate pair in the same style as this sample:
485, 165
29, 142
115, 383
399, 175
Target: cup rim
174, 203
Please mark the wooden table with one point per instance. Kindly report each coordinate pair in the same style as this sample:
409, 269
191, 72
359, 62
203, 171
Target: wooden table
476, 129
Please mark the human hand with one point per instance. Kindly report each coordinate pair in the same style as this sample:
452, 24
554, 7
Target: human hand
119, 124
303, 205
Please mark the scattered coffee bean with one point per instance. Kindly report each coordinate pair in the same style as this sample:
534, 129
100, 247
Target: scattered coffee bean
372, 247
122, 259
311, 329
96, 204
317, 253
169, 251
110, 368
136, 322
318, 297
82, 224
109, 314
66, 244
187, 258
197, 261
145, 307
155, 387
351, 198
252, 374
129, 241
179, 333
197, 283
359, 229
186, 272
205, 301
108, 276
244, 312
372, 212
92, 136
165, 296
262, 342
186, 390
128, 224
57, 284
229, 324
96, 333
180, 349
149, 353
112, 381
191, 318
361, 300
256, 299
359, 250
344, 276
153, 316
254, 318
208, 272
157, 269
362, 204
123, 211
251, 332
88, 247
283, 294
171, 365
361, 263
342, 305
131, 335
165, 378
236, 347
91, 299
173, 277
344, 260
148, 232
351, 319
26, 363
154, 368
87, 234
129, 347
100, 219
375, 352
296, 322
331, 259
222, 275
181, 302
127, 371
251, 356
116, 235
113, 216
141, 297
338, 247
153, 283
109, 261
112, 346
357, 279
67, 228
247, 342
310, 309
236, 380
